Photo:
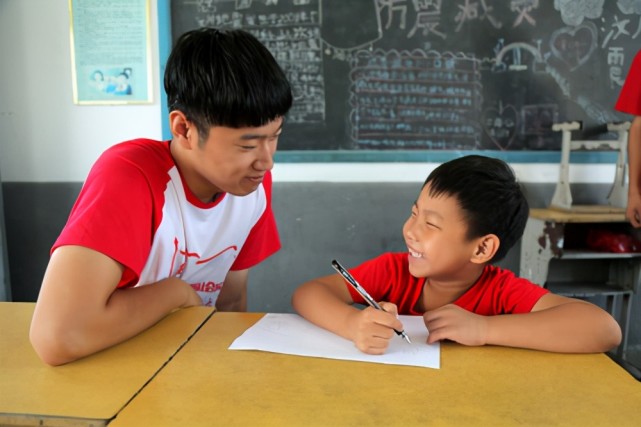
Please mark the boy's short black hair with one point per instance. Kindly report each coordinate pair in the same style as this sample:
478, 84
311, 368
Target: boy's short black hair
489, 195
225, 78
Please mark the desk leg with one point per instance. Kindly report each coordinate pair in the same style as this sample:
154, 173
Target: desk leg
622, 316
624, 322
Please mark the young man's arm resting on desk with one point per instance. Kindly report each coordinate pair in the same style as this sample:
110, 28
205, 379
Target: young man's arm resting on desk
80, 311
233, 295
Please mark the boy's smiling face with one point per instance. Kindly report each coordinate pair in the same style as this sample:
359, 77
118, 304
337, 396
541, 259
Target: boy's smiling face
436, 237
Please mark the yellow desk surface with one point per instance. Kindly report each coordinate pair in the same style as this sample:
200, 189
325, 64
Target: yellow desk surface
206, 384
89, 391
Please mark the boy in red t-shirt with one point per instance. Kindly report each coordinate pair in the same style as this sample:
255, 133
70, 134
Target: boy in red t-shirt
630, 102
469, 213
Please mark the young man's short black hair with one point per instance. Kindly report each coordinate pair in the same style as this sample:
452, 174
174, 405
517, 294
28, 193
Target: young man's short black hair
225, 78
489, 195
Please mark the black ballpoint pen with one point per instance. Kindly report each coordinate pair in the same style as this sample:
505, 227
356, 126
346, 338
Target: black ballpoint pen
350, 279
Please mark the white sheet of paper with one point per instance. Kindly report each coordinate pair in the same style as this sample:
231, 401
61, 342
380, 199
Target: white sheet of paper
291, 334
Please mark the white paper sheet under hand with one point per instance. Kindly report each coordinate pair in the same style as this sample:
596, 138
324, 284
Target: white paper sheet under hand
291, 334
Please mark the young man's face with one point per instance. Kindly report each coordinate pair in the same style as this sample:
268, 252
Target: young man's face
435, 235
234, 160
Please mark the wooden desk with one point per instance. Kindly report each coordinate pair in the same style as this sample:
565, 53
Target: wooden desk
206, 384
89, 391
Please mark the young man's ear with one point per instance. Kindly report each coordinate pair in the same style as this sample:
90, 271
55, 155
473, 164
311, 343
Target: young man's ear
485, 249
182, 129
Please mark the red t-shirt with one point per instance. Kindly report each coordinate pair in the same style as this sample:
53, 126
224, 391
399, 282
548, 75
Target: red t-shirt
630, 97
497, 291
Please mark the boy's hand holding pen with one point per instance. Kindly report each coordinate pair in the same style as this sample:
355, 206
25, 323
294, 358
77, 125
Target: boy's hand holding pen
373, 328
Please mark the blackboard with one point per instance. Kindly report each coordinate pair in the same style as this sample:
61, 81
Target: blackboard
421, 75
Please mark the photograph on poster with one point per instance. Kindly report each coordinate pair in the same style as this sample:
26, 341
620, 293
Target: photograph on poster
110, 51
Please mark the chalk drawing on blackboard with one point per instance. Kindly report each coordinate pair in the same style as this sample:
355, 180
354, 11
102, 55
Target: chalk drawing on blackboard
475, 10
596, 111
340, 41
566, 59
560, 80
516, 58
615, 30
615, 60
524, 8
393, 7
500, 124
428, 18
618, 27
629, 6
291, 32
573, 12
415, 99
574, 45
341, 32
536, 124
298, 50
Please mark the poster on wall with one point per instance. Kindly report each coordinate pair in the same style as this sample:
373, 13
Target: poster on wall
110, 51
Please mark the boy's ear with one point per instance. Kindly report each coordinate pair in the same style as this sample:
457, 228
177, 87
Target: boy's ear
181, 128
485, 249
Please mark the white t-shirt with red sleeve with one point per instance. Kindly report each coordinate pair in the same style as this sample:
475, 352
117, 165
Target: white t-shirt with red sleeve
135, 208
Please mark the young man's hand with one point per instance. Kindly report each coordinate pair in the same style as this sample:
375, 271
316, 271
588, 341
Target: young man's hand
373, 329
454, 323
191, 298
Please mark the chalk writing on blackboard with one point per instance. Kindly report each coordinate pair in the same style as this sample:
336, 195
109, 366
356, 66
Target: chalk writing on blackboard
292, 35
415, 99
434, 74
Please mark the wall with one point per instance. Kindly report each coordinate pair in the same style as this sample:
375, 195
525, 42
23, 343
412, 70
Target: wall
44, 137
47, 145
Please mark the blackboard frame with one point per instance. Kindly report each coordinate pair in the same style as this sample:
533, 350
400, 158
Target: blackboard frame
372, 156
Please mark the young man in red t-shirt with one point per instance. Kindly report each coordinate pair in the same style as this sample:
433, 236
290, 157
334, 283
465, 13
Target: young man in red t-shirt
469, 213
630, 102
161, 225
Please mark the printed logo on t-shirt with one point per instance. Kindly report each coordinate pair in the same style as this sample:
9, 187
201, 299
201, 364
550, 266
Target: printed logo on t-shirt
207, 289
